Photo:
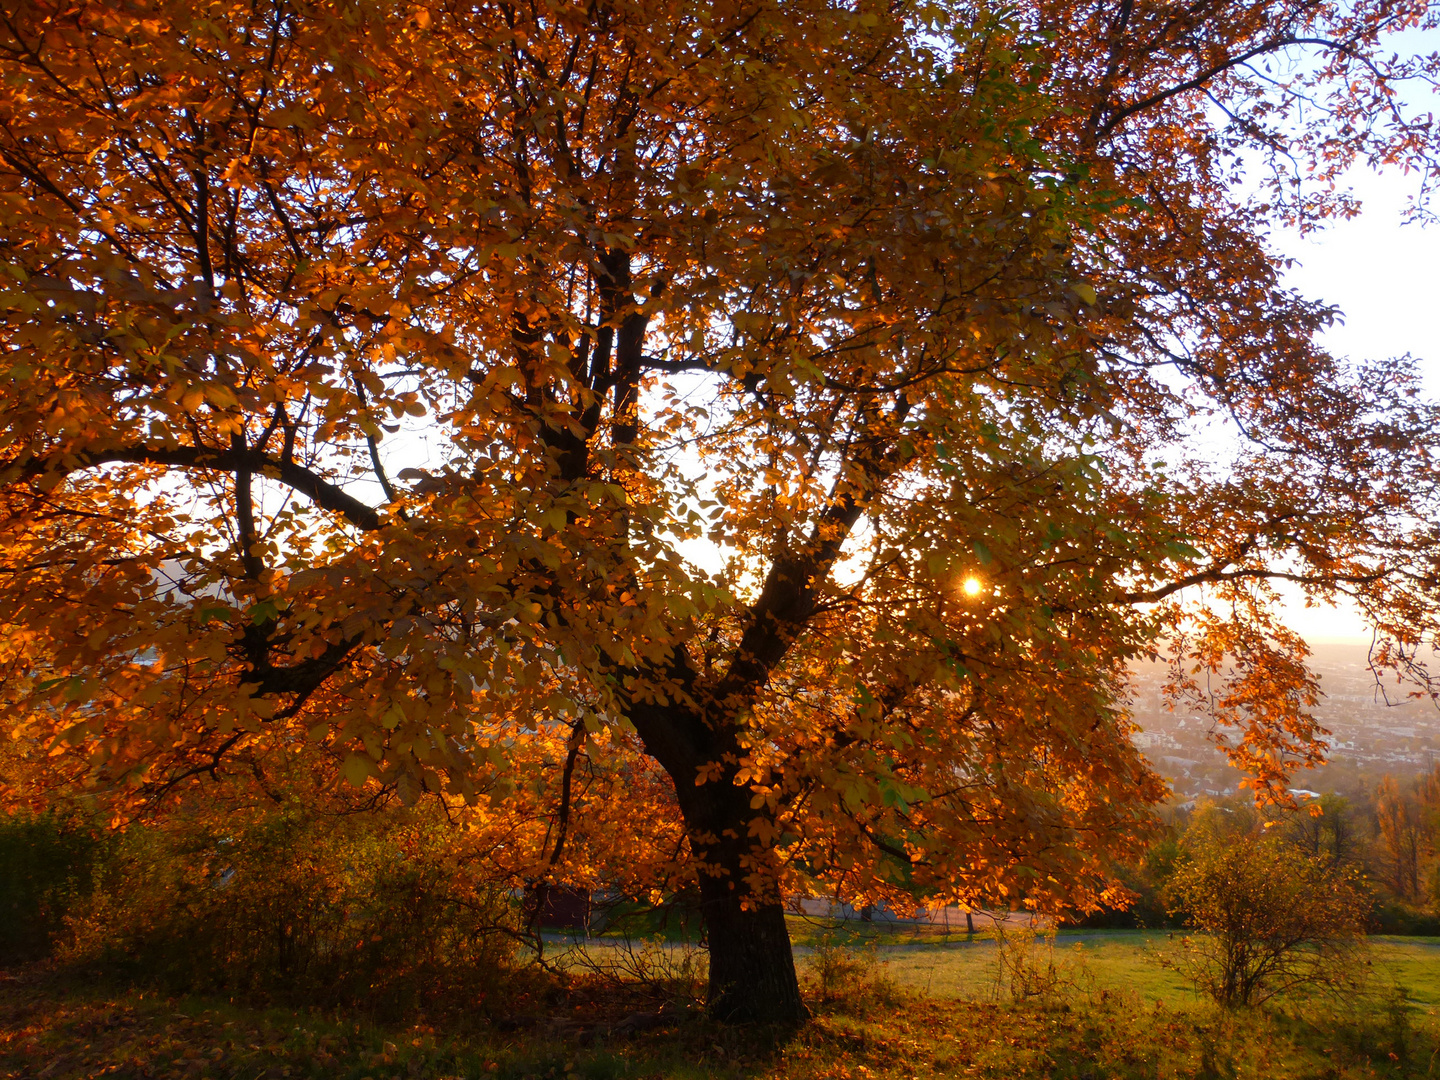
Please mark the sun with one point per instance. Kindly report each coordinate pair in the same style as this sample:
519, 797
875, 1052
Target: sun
972, 586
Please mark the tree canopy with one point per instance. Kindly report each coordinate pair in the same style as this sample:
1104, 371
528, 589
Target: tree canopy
745, 441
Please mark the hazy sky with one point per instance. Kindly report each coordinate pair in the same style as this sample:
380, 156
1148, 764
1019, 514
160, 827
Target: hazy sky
1384, 275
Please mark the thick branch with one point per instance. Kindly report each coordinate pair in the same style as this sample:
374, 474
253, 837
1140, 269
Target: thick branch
321, 492
788, 599
1218, 576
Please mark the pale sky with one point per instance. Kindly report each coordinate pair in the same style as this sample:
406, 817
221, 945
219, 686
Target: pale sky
1384, 275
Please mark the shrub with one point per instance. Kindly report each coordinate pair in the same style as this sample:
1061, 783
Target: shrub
378, 909
847, 976
1027, 968
674, 970
1271, 919
47, 865
1396, 917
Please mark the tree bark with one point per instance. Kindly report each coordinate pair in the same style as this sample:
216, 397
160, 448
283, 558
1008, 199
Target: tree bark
752, 966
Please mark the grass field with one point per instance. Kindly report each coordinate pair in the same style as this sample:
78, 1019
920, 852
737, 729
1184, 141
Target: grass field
927, 1009
1118, 961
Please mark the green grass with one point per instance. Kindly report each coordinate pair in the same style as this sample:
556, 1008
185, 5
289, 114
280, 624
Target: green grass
968, 970
1114, 961
1415, 965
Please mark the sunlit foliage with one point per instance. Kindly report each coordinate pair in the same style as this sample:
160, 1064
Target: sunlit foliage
594, 414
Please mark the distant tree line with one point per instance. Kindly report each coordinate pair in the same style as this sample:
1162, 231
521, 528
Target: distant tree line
1384, 830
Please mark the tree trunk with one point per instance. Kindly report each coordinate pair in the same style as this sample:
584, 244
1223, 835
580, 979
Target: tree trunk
752, 968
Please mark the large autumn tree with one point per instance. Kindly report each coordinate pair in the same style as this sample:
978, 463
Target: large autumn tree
740, 427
